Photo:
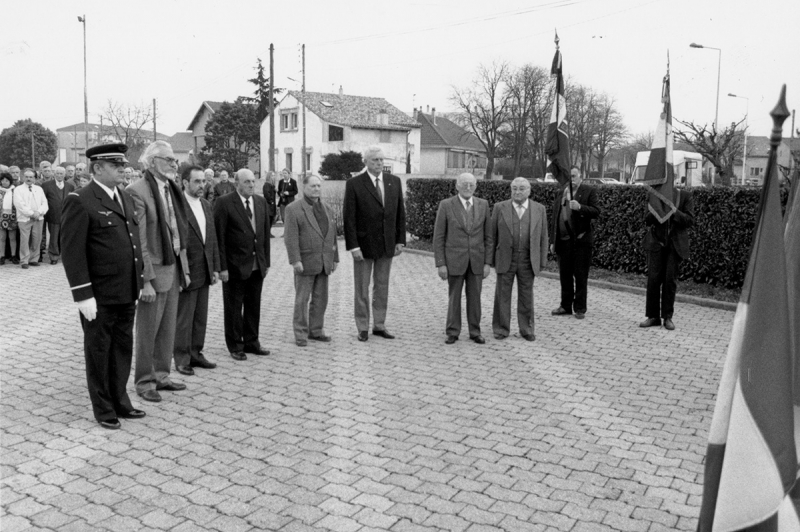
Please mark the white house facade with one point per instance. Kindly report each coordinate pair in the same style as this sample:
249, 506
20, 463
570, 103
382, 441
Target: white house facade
340, 122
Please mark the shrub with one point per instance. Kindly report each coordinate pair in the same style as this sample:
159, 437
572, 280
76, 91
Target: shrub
720, 238
339, 166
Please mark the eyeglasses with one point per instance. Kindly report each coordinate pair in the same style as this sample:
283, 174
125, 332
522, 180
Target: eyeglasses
169, 160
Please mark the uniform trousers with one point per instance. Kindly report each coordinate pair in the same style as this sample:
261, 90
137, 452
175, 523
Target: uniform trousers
155, 338
378, 270
190, 329
310, 303
573, 271
662, 275
108, 350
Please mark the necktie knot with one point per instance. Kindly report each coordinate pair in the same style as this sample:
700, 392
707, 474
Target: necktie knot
469, 205
30, 187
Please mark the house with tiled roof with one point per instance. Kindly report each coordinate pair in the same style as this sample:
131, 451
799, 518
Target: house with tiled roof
447, 148
757, 155
340, 122
182, 144
198, 124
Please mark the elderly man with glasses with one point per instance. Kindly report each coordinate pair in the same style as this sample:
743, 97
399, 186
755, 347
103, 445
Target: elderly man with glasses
160, 207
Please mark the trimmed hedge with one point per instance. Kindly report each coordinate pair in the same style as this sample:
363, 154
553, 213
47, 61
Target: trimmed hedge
720, 238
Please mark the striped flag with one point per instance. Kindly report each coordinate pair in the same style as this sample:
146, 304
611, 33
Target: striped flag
791, 240
659, 175
557, 147
751, 461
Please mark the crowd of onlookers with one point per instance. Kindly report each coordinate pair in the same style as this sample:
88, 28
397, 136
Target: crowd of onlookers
30, 209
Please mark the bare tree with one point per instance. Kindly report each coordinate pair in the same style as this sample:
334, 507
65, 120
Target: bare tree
484, 104
611, 132
721, 148
527, 90
128, 123
583, 118
642, 141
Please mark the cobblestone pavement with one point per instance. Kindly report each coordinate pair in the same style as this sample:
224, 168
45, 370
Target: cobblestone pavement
597, 425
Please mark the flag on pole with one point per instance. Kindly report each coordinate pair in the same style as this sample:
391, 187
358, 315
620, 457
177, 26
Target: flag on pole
791, 240
751, 461
557, 147
659, 176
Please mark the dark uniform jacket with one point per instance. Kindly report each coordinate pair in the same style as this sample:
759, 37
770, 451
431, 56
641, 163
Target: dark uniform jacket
675, 229
373, 227
100, 247
580, 222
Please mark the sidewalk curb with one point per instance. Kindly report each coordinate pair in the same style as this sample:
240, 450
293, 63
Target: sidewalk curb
692, 300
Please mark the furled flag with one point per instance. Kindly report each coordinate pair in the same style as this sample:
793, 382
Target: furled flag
751, 461
791, 240
557, 147
660, 174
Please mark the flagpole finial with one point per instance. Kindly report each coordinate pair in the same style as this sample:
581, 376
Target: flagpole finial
667, 60
779, 115
556, 40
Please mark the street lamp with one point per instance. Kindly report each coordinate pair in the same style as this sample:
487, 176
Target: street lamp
719, 70
82, 20
744, 150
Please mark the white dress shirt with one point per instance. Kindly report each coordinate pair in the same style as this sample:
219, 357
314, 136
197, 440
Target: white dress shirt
27, 201
199, 214
520, 208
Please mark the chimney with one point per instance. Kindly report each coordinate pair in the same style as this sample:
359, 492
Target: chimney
341, 92
433, 115
427, 109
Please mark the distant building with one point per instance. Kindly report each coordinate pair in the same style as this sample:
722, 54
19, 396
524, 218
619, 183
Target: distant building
757, 155
340, 122
447, 148
182, 145
197, 126
72, 141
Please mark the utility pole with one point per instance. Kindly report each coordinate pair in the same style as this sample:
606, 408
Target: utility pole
304, 110
154, 120
85, 90
271, 109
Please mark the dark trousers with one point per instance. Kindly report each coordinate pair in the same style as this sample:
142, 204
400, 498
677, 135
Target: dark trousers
54, 246
474, 283
573, 270
108, 349
241, 300
190, 330
663, 267
501, 317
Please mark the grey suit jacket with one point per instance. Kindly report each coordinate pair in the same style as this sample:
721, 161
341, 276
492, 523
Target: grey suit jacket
502, 228
457, 246
160, 276
305, 242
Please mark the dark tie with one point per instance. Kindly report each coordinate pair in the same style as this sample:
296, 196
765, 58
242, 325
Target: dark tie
173, 222
378, 189
247, 208
118, 202
30, 187
469, 213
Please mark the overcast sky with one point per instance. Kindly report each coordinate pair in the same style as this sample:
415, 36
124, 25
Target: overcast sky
411, 53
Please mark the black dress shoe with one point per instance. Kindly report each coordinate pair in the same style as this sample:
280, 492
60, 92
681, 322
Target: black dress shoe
132, 414
451, 340
260, 352
321, 338
33, 263
301, 343
184, 370
668, 325
201, 362
112, 424
14, 261
363, 336
172, 387
560, 311
580, 315
477, 339
650, 322
500, 336
151, 395
238, 355
53, 262
24, 266
529, 337
384, 333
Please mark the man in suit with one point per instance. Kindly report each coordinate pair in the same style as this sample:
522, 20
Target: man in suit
31, 208
160, 206
55, 192
202, 256
462, 238
667, 245
223, 187
242, 228
310, 238
519, 235
571, 240
375, 232
269, 195
287, 190
103, 263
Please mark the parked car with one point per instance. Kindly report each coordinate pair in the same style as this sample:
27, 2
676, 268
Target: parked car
601, 181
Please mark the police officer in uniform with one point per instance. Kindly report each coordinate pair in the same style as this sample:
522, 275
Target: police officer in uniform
103, 262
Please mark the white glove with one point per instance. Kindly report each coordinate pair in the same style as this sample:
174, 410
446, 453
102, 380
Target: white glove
88, 308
